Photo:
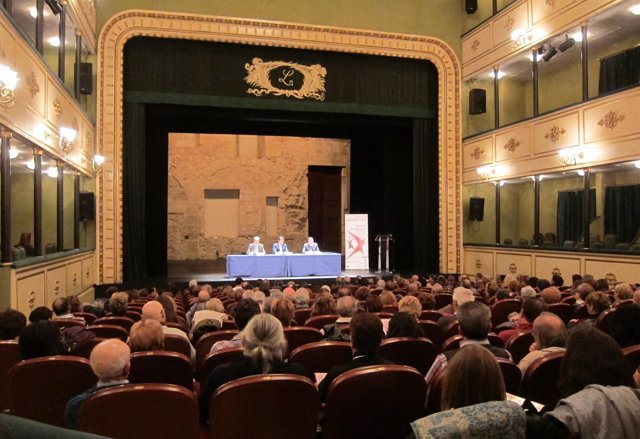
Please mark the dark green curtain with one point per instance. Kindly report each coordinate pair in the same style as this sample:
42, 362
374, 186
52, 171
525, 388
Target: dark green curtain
622, 212
619, 71
569, 218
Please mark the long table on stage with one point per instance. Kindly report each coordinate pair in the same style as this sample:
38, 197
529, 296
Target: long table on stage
294, 265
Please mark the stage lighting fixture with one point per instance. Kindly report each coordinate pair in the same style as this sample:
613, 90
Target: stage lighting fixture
567, 44
551, 52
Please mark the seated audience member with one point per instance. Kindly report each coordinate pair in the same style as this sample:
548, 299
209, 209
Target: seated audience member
39, 314
373, 303
283, 310
403, 324
214, 309
625, 326
277, 294
549, 335
301, 298
203, 298
40, 339
388, 299
110, 361
602, 285
582, 291
264, 346
153, 310
74, 303
324, 304
347, 308
169, 308
527, 293
475, 322
60, 307
543, 284
531, 309
460, 295
551, 295
596, 303
473, 376
366, 336
289, 293
118, 304
362, 293
12, 323
622, 292
146, 335
204, 323
243, 312
600, 400
427, 301
411, 305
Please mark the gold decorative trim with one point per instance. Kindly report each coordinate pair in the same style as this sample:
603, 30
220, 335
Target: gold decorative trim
511, 145
75, 125
475, 45
611, 120
287, 75
132, 23
513, 268
57, 108
3, 54
508, 25
477, 153
478, 264
554, 134
551, 3
32, 82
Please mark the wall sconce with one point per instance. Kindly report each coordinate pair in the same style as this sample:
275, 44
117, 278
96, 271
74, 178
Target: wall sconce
67, 136
8, 81
486, 172
97, 162
571, 157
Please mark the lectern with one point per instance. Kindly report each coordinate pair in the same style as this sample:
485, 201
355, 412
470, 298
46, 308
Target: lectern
384, 243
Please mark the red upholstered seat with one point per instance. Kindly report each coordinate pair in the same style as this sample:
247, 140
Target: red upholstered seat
604, 320
229, 324
301, 335
383, 315
41, 387
511, 374
217, 358
109, 331
562, 310
67, 323
9, 356
322, 356
632, 354
540, 380
270, 406
161, 367
435, 393
501, 309
87, 316
443, 299
318, 322
430, 315
177, 325
124, 322
419, 353
433, 332
519, 344
387, 398
177, 343
134, 411
453, 328
134, 315
301, 315
494, 340
85, 350
391, 309
203, 348
452, 343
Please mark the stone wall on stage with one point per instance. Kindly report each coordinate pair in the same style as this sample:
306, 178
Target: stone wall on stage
224, 189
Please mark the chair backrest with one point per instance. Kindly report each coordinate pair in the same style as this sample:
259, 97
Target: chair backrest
632, 354
452, 343
519, 344
301, 315
124, 322
134, 315
161, 367
604, 320
229, 324
387, 398
292, 403
67, 323
203, 347
494, 340
109, 331
540, 380
175, 343
215, 359
86, 348
87, 316
318, 322
419, 353
9, 356
41, 387
301, 335
501, 309
511, 374
443, 299
391, 309
563, 310
433, 332
161, 411
430, 315
383, 315
435, 393
322, 355
177, 325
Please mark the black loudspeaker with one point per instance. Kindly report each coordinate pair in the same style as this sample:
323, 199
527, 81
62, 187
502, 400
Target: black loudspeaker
86, 78
477, 101
87, 206
476, 209
471, 6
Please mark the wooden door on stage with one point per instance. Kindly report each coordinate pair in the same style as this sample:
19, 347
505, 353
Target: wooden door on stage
325, 201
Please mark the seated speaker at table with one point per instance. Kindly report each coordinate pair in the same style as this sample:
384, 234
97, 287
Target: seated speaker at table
280, 247
255, 248
310, 246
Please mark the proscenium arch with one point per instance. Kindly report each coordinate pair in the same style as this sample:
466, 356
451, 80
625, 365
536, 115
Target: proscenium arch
134, 23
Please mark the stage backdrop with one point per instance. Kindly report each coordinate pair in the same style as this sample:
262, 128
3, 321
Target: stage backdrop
356, 241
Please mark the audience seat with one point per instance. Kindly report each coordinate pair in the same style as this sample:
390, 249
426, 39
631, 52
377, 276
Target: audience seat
430, 315
581, 312
562, 310
177, 325
540, 380
301, 335
519, 344
87, 316
632, 354
301, 315
124, 322
159, 411
318, 322
40, 388
604, 320
443, 299
511, 375
203, 348
374, 402
391, 309
322, 355
571, 300
9, 356
85, 350
501, 309
67, 323
277, 406
435, 393
134, 315
494, 340
452, 342
383, 315
109, 331
229, 324
418, 353
176, 343
161, 367
215, 359
453, 328
433, 332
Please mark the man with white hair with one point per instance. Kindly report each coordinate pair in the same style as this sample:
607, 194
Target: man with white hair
201, 304
460, 295
347, 307
110, 361
301, 298
256, 248
310, 246
153, 310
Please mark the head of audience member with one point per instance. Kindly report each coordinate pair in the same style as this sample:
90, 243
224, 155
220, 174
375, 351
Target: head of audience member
533, 282
592, 357
264, 341
625, 325
12, 323
472, 376
193, 285
583, 290
366, 333
474, 319
244, 311
527, 293
111, 361
269, 300
169, 308
283, 310
597, 303
39, 314
427, 301
347, 306
437, 288
60, 306
602, 285
502, 294
381, 283
557, 280
324, 304
373, 303
153, 310
289, 293
410, 305
118, 304
40, 339
549, 331
461, 295
403, 324
74, 303
532, 308
344, 291
362, 293
623, 291
301, 298
203, 295
146, 335
215, 304
388, 299
551, 295
543, 284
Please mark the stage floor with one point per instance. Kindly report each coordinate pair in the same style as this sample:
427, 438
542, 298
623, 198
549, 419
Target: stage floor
215, 271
